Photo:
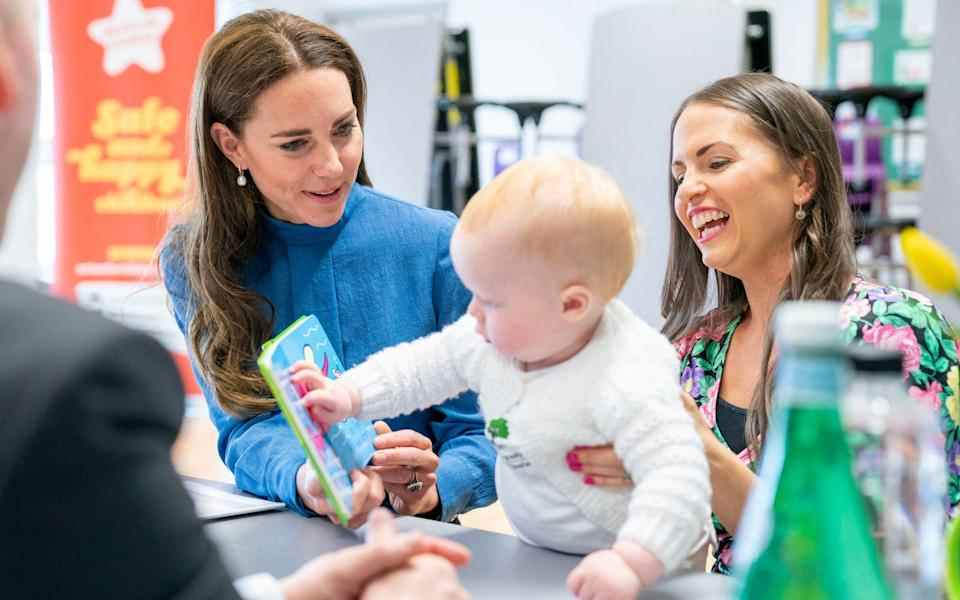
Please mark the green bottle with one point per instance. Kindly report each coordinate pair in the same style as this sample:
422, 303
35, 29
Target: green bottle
804, 534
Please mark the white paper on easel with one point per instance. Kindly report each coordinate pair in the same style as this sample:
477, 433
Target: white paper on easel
919, 19
855, 16
854, 64
912, 67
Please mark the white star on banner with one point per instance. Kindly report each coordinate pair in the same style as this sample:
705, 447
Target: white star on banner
131, 35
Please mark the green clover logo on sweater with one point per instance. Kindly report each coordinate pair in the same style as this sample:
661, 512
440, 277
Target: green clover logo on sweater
498, 428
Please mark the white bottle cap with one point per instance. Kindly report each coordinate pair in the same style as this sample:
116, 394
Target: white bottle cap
808, 324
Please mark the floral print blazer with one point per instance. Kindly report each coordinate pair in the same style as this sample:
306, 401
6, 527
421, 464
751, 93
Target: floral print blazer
887, 317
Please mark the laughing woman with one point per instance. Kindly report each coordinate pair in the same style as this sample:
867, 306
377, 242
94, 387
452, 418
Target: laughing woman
285, 223
759, 202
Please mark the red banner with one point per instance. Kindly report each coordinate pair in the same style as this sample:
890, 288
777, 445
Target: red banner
123, 73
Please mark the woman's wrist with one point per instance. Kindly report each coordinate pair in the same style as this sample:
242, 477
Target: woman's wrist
435, 513
723, 463
732, 481
717, 453
425, 507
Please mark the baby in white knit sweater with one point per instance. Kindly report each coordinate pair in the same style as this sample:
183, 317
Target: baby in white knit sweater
557, 362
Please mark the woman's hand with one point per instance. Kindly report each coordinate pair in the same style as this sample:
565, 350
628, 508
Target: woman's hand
368, 494
598, 465
400, 456
425, 577
709, 439
731, 479
389, 560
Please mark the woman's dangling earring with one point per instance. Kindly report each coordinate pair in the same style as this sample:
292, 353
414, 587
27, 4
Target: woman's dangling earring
241, 178
800, 214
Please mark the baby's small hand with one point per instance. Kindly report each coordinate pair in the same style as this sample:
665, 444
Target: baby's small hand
613, 574
328, 401
604, 575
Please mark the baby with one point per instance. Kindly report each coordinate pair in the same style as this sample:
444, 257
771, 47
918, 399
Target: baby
557, 362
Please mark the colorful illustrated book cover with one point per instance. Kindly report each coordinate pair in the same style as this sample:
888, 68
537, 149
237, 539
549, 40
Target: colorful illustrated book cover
344, 446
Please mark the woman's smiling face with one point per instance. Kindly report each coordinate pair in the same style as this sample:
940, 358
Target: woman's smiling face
303, 146
735, 196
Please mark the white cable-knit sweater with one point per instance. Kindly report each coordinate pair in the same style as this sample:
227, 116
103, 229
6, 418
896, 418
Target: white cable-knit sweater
620, 388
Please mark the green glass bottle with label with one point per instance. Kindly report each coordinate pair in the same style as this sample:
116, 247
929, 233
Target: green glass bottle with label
804, 533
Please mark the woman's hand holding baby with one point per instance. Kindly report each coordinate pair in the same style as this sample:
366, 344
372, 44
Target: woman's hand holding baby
619, 573
328, 401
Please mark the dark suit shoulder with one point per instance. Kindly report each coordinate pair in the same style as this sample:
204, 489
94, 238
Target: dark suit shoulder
51, 345
91, 409
28, 315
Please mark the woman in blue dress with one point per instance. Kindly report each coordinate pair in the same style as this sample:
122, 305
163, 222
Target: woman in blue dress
284, 223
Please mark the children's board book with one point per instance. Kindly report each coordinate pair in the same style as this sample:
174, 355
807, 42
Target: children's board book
346, 445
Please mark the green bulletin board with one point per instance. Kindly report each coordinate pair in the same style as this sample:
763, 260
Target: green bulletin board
883, 42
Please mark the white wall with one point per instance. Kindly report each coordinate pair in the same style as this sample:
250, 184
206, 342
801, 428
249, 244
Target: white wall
627, 129
18, 248
529, 48
795, 35
539, 48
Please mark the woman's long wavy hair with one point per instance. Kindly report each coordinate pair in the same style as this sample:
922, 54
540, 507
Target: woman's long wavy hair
245, 58
823, 264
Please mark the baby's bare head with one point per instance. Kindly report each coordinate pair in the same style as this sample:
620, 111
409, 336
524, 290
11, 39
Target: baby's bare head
567, 213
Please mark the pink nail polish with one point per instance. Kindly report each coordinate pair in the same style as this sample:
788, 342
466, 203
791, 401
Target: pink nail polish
589, 480
573, 462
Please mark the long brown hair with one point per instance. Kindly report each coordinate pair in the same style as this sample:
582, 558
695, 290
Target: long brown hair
246, 57
823, 264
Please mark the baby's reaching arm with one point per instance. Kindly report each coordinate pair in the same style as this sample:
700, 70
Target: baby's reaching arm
397, 380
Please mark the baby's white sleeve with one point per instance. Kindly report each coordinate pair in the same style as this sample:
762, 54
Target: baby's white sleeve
419, 374
662, 452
